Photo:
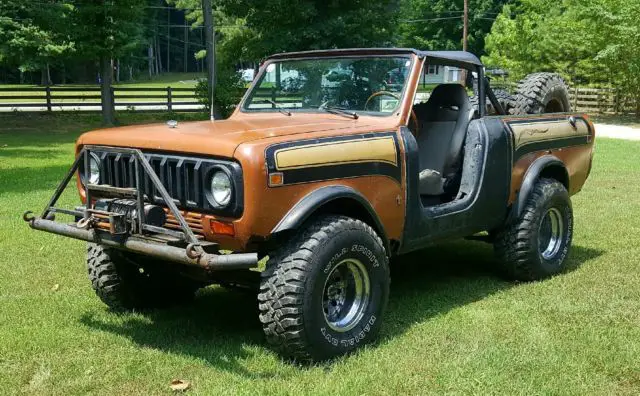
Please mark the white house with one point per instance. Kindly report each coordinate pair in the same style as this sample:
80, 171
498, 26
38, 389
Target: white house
438, 74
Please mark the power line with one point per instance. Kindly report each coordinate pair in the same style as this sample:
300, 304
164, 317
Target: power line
430, 19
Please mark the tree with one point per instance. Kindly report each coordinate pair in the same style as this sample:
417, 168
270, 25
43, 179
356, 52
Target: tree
438, 24
33, 35
105, 30
294, 25
617, 43
546, 35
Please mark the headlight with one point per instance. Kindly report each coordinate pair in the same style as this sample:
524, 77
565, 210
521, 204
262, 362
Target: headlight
94, 170
221, 189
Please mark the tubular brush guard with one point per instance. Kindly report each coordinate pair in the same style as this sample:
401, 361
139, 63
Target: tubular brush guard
178, 246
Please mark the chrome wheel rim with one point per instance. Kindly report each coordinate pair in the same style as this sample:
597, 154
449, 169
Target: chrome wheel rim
346, 295
550, 234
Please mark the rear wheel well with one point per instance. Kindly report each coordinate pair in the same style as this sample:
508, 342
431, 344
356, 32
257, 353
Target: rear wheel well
556, 172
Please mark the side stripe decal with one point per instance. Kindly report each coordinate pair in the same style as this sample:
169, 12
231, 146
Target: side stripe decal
547, 132
338, 157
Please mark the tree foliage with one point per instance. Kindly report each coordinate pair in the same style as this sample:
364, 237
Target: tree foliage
545, 35
108, 28
617, 43
438, 24
33, 35
588, 41
294, 25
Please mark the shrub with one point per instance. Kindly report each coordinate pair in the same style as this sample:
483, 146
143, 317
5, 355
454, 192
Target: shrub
229, 91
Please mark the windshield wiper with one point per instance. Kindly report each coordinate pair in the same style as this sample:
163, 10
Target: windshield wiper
280, 109
339, 111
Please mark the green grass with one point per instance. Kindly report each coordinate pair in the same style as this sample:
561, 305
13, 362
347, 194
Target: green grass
452, 326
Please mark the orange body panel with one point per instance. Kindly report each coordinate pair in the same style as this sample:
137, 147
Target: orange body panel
577, 159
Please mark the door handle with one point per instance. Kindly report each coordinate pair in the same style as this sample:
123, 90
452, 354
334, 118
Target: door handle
572, 121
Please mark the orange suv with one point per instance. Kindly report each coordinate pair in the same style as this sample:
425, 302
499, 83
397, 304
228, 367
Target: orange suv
333, 163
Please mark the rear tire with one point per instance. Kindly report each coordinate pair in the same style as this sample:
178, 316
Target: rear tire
123, 282
536, 245
541, 93
324, 293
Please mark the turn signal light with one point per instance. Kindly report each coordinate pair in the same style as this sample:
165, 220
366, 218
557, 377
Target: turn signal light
221, 228
276, 179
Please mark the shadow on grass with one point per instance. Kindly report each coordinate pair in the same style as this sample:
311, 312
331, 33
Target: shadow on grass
24, 180
221, 327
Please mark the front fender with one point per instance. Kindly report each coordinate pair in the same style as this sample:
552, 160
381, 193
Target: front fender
314, 201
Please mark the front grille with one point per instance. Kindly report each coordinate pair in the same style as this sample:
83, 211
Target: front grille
194, 220
186, 179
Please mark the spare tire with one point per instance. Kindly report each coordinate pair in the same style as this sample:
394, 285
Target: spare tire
541, 93
504, 98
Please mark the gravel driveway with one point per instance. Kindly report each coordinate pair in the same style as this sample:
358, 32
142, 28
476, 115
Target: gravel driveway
617, 132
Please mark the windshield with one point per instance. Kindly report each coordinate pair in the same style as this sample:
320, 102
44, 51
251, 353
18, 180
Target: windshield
371, 85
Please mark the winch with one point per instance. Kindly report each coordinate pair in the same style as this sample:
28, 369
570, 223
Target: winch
127, 209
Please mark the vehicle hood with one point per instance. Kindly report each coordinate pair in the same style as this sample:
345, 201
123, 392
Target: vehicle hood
220, 138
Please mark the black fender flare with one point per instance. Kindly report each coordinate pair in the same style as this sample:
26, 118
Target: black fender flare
315, 200
530, 177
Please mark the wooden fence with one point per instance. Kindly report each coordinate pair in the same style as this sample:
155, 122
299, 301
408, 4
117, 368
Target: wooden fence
88, 99
601, 101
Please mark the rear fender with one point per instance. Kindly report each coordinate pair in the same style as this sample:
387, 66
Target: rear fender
547, 164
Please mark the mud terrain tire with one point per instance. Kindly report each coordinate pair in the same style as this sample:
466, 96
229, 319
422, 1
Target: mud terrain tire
541, 93
123, 283
504, 98
536, 245
299, 299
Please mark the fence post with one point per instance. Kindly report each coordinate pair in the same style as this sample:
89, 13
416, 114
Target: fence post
169, 97
47, 90
575, 99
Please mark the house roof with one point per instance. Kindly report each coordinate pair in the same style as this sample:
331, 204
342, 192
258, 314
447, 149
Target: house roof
457, 58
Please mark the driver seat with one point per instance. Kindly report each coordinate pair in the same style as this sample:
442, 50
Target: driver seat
443, 120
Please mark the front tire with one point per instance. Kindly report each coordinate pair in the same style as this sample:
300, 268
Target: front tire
537, 244
126, 282
324, 293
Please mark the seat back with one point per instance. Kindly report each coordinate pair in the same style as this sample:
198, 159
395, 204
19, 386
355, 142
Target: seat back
443, 126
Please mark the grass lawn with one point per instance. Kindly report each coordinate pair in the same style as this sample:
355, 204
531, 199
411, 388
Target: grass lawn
452, 326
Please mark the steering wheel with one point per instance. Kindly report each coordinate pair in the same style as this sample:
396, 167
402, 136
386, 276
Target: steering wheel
412, 116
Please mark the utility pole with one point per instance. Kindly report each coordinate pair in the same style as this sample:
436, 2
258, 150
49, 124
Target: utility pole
465, 28
210, 34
